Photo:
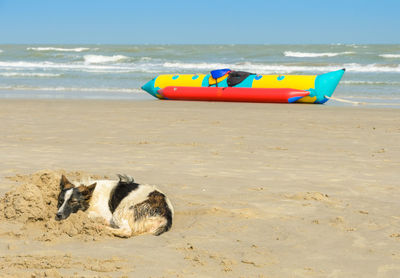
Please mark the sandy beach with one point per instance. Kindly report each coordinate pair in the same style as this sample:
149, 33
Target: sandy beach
259, 190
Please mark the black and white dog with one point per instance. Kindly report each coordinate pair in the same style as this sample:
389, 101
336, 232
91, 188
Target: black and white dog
127, 207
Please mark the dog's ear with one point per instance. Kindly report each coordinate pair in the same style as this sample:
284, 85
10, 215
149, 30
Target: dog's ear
65, 183
92, 187
87, 191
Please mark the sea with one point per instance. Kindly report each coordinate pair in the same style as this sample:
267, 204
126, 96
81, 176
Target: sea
117, 72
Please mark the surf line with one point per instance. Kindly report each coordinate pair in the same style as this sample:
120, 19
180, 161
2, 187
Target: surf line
355, 103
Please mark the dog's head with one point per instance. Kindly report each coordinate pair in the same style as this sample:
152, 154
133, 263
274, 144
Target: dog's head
72, 198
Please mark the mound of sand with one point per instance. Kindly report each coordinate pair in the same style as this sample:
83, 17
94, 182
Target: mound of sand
310, 196
33, 203
52, 266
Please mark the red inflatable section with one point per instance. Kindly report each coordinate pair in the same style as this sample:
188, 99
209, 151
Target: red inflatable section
275, 95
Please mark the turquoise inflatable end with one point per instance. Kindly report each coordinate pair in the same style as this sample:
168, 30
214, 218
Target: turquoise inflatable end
149, 87
325, 85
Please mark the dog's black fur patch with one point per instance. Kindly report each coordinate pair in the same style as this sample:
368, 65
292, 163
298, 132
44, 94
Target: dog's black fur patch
155, 205
125, 186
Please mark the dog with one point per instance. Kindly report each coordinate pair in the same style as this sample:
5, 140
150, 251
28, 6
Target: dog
128, 208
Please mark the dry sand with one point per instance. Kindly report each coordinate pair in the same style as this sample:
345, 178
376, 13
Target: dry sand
259, 190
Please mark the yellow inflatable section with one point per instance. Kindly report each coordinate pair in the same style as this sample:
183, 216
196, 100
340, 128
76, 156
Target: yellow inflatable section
300, 82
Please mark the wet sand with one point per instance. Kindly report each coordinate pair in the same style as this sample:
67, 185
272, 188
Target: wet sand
259, 190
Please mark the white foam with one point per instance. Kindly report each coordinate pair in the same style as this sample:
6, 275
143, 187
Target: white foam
314, 55
169, 67
71, 89
29, 74
100, 59
390, 56
379, 68
79, 66
23, 65
77, 49
275, 68
362, 82
1, 51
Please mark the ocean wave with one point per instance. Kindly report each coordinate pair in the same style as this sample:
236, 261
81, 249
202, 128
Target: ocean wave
350, 45
1, 51
356, 45
77, 67
274, 68
77, 49
100, 59
390, 56
23, 65
71, 89
167, 67
29, 74
361, 82
314, 55
373, 97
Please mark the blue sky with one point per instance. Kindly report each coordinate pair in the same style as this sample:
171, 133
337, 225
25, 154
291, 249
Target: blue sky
207, 21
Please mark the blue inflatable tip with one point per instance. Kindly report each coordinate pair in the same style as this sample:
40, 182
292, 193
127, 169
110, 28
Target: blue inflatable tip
149, 87
325, 85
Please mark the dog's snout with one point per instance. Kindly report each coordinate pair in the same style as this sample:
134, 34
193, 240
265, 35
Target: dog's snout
58, 216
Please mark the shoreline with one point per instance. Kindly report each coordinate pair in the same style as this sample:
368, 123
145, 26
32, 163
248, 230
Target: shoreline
343, 101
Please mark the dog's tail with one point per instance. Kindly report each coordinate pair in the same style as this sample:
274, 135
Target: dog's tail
125, 179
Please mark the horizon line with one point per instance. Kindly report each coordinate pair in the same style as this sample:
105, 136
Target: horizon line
76, 43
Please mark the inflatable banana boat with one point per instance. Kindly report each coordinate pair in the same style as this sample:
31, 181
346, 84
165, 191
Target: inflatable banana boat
227, 85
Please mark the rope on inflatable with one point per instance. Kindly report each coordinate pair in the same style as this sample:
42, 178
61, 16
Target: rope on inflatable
345, 100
